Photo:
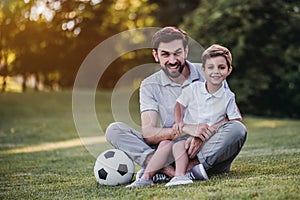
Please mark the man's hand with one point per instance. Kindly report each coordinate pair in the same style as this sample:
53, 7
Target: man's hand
205, 134
193, 145
201, 133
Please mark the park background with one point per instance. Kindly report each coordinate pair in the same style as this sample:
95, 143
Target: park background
43, 44
46, 41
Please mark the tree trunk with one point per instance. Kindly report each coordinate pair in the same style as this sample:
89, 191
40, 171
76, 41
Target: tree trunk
24, 86
4, 84
37, 81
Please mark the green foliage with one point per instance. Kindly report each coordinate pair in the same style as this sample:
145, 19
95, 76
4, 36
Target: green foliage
266, 168
262, 35
57, 40
264, 39
177, 9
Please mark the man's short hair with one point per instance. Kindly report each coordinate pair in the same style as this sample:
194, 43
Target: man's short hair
217, 50
168, 34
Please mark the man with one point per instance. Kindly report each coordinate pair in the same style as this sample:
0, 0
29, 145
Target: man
158, 94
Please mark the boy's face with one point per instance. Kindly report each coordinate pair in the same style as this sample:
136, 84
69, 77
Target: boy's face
171, 57
216, 70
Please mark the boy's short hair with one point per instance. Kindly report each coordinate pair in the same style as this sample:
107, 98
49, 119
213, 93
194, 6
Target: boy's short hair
168, 34
217, 50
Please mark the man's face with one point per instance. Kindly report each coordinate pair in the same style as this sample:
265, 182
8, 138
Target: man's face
171, 57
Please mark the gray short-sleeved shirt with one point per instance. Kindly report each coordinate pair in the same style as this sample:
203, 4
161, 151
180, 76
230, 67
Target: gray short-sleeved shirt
158, 93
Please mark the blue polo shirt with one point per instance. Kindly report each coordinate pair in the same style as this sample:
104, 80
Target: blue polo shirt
158, 93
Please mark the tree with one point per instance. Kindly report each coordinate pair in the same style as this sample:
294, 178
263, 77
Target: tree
8, 30
27, 40
172, 12
264, 37
80, 26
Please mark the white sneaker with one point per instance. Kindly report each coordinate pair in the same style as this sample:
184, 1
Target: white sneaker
140, 183
179, 180
197, 173
139, 173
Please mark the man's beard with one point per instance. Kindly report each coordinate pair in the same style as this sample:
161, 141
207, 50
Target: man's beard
174, 74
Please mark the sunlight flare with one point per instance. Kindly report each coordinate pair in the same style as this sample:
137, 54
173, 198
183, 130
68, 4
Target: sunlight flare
56, 145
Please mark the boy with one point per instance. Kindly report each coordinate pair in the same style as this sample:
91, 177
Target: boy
210, 103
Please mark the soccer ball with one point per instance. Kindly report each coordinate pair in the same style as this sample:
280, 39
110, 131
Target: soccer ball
113, 167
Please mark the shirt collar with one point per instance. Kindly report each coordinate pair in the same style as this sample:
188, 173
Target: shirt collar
217, 94
220, 92
194, 75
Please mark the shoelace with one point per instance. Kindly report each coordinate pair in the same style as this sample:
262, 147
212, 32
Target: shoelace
190, 175
159, 177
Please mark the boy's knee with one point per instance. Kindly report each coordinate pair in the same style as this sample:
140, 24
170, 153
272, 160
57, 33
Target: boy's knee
165, 142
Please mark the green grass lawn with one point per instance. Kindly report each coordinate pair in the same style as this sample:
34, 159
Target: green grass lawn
41, 156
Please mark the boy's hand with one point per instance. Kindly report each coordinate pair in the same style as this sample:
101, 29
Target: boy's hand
177, 128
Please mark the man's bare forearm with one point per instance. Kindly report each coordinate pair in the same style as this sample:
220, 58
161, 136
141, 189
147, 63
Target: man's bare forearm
154, 135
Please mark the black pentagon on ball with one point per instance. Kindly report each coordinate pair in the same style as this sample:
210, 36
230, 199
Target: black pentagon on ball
109, 154
122, 169
102, 174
